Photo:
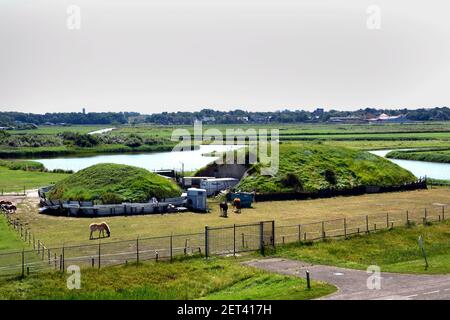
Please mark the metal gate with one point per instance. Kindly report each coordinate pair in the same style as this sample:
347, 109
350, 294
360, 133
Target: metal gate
229, 240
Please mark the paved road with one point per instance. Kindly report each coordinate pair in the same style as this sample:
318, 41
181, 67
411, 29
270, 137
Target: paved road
352, 284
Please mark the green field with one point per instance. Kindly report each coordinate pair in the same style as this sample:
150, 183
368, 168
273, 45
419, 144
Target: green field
396, 250
9, 241
195, 278
431, 155
17, 180
362, 136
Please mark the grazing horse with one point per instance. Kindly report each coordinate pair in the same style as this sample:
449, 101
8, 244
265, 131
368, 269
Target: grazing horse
101, 228
223, 209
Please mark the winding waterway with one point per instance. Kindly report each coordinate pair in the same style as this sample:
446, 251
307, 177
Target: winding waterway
191, 160
420, 168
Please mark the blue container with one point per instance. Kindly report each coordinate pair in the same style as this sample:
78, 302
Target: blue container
246, 198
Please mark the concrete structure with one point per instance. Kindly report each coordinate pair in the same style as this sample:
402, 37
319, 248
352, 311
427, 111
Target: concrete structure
216, 185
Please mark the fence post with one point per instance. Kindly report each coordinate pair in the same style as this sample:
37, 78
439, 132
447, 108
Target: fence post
137, 250
345, 228
443, 213
426, 216
323, 230
299, 232
63, 259
387, 220
407, 217
171, 247
234, 240
367, 224
206, 242
273, 233
261, 238
23, 263
99, 253
308, 280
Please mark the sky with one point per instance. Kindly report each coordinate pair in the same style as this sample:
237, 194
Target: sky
151, 56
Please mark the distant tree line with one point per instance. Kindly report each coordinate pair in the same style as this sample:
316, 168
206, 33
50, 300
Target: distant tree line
289, 116
27, 120
13, 118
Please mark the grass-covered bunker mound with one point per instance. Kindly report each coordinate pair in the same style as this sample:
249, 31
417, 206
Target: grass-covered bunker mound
113, 183
313, 167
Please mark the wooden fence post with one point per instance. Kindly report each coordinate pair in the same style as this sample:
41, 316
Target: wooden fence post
137, 250
345, 228
99, 253
171, 247
23, 263
299, 232
206, 242
367, 224
234, 240
387, 220
323, 230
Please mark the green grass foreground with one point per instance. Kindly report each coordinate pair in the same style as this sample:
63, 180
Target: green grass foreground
395, 250
196, 278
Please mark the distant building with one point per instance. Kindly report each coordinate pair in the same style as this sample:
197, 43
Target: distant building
389, 119
208, 119
243, 119
350, 119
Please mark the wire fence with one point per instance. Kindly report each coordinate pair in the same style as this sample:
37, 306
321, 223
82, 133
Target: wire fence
222, 240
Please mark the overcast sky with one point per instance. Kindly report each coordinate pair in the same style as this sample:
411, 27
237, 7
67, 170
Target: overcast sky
183, 55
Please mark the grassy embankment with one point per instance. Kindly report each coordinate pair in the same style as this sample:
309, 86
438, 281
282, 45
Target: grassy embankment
114, 183
431, 155
393, 250
311, 167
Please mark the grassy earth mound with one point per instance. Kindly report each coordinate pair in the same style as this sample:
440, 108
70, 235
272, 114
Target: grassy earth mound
113, 183
312, 167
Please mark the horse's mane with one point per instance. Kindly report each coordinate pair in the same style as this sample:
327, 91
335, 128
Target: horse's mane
106, 225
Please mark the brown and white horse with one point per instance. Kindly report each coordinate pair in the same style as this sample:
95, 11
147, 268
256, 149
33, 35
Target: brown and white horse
101, 228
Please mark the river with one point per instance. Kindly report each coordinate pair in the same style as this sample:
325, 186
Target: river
192, 160
433, 170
